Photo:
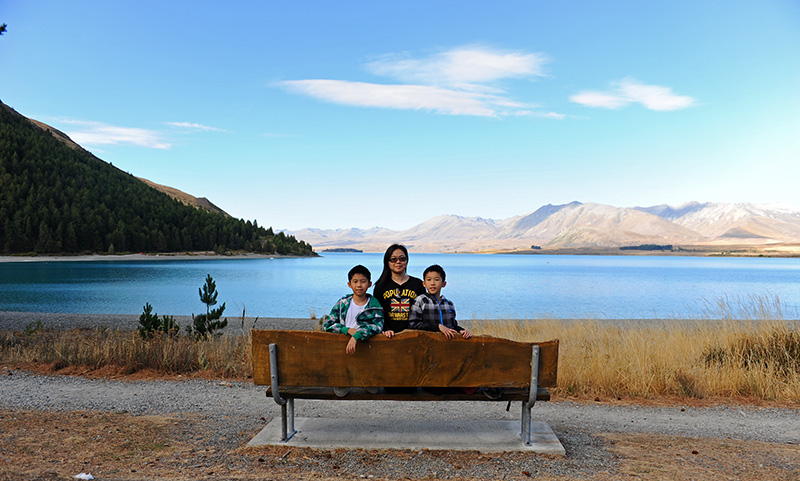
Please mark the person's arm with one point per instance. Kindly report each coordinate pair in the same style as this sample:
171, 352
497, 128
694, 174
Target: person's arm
370, 321
449, 326
451, 316
335, 322
464, 332
351, 346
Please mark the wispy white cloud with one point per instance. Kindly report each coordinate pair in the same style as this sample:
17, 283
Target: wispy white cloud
461, 67
88, 134
405, 97
194, 126
551, 115
455, 82
630, 90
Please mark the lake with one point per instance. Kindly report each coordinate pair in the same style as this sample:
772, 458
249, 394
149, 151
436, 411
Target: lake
481, 286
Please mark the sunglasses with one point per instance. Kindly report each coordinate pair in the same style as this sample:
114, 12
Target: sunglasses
398, 259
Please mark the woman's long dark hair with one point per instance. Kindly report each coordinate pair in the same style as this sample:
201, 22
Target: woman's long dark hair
387, 273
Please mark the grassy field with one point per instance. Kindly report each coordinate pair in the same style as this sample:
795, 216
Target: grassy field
688, 359
741, 349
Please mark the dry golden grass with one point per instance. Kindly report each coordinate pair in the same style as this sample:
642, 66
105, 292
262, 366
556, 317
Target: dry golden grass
743, 348
693, 359
126, 353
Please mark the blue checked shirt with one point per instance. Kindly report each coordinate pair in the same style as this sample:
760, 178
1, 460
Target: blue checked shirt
427, 313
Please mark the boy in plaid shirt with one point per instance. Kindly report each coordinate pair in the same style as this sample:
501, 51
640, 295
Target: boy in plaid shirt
431, 311
358, 315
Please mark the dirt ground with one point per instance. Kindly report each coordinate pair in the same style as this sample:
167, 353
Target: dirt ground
60, 445
119, 446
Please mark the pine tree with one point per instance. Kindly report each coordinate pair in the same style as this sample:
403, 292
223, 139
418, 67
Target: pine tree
148, 322
204, 325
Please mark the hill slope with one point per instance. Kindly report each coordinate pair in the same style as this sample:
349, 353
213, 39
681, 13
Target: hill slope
58, 198
183, 197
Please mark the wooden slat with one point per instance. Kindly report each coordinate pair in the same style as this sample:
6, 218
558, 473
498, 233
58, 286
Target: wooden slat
326, 393
411, 358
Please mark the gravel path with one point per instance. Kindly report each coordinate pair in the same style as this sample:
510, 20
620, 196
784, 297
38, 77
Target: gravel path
221, 417
22, 390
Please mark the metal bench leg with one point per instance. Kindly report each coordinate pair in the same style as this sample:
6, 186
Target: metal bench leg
291, 418
287, 420
287, 405
284, 436
525, 430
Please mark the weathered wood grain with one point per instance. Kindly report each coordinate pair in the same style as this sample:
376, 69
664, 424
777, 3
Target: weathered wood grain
410, 359
508, 394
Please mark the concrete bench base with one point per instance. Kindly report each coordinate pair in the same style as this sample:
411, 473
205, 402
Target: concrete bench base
482, 436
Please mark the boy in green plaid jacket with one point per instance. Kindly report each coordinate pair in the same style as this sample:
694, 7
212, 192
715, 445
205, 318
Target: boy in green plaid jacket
358, 315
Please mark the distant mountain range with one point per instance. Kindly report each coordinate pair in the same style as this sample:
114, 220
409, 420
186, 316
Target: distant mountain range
579, 225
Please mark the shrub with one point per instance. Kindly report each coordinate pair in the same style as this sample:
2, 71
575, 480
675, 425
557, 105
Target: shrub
204, 325
778, 349
149, 324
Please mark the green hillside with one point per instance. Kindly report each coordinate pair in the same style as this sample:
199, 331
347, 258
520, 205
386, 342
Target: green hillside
58, 198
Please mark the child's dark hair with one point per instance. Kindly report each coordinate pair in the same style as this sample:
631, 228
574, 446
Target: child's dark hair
434, 268
359, 269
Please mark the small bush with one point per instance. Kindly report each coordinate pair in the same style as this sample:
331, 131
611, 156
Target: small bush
31, 329
169, 326
149, 324
778, 349
204, 325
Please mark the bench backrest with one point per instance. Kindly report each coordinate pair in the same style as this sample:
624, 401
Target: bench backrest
411, 358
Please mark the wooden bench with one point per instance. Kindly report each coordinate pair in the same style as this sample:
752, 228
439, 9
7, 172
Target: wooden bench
309, 364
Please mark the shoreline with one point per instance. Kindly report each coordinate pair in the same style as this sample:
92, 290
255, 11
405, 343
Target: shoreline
775, 252
138, 257
63, 321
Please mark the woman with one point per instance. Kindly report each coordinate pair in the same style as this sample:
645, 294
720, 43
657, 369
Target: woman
396, 290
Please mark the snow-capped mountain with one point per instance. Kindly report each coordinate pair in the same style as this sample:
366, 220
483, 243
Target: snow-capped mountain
577, 225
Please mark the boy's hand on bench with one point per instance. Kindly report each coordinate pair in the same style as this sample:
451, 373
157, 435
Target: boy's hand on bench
388, 334
452, 333
351, 346
448, 333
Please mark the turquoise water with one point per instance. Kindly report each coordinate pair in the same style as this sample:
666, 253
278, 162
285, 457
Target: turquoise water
481, 286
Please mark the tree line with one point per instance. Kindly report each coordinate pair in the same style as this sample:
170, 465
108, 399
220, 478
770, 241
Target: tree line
56, 199
647, 247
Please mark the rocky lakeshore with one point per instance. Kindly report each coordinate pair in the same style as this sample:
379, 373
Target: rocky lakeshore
18, 321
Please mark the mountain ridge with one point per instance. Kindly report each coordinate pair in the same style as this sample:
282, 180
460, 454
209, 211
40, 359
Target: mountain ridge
578, 225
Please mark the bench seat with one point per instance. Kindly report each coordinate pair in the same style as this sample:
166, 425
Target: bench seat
359, 394
309, 364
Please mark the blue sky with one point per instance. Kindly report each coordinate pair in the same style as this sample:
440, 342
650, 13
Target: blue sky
359, 114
